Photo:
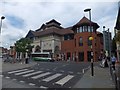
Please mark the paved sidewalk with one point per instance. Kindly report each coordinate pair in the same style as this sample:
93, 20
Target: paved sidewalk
13, 66
101, 79
8, 83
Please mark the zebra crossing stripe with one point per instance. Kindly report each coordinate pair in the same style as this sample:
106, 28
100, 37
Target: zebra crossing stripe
64, 80
52, 77
43, 87
24, 72
41, 75
26, 75
17, 71
1, 75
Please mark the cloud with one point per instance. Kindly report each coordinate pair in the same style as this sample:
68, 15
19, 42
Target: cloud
21, 16
15, 21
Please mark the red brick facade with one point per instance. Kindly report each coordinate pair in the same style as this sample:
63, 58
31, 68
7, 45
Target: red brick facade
78, 48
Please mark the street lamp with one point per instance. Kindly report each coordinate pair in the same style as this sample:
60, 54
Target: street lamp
1, 23
90, 38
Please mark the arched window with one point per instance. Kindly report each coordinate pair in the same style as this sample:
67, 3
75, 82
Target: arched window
37, 48
80, 41
57, 50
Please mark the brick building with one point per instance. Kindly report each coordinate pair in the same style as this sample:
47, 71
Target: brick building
69, 43
77, 46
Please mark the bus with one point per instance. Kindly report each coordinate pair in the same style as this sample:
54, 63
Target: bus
42, 56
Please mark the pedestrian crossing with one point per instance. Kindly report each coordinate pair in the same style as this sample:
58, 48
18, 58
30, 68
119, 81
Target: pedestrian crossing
52, 77
44, 76
64, 80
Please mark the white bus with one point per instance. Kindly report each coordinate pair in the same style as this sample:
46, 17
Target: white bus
42, 56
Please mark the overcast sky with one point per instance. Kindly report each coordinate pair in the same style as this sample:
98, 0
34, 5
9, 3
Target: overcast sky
21, 16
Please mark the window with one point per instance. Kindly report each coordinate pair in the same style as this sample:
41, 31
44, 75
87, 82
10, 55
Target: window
77, 30
88, 28
80, 41
91, 28
80, 30
81, 56
85, 28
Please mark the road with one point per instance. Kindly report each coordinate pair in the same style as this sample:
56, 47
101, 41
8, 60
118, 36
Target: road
57, 74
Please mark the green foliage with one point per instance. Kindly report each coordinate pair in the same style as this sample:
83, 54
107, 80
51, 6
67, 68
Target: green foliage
23, 45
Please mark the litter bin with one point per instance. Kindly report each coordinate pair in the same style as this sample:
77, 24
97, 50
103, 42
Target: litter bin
26, 61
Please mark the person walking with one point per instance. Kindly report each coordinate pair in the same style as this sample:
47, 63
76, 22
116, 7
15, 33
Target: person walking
113, 60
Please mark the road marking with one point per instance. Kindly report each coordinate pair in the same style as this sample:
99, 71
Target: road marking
83, 70
1, 75
24, 72
14, 79
17, 71
43, 87
52, 77
70, 72
22, 81
32, 84
64, 80
26, 75
7, 77
41, 75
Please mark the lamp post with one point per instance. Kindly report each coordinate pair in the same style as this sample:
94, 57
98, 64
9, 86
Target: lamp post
1, 23
90, 38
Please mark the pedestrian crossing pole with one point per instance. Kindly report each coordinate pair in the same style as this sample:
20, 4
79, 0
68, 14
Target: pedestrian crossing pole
91, 39
92, 70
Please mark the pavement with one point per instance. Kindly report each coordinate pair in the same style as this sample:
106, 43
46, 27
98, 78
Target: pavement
101, 78
7, 83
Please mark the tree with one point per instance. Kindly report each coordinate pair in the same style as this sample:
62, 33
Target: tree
23, 45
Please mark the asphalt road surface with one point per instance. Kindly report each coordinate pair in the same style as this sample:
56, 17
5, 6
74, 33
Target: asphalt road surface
49, 74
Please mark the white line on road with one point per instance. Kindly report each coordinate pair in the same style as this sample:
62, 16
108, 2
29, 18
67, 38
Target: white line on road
64, 80
22, 81
17, 71
41, 75
1, 75
24, 72
14, 79
7, 77
26, 75
43, 87
32, 84
52, 77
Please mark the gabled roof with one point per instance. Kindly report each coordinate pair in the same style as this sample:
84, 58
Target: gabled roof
118, 20
30, 34
54, 31
53, 21
86, 21
42, 27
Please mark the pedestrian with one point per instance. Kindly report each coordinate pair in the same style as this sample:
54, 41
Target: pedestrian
113, 60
